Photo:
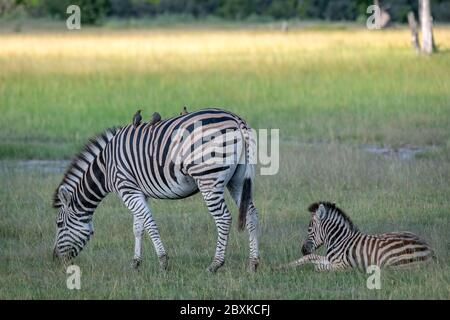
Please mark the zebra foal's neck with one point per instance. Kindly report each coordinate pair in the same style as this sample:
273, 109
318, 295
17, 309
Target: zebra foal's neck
338, 226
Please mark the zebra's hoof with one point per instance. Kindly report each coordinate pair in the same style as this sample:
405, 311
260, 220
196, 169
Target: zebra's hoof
214, 266
136, 263
163, 262
253, 265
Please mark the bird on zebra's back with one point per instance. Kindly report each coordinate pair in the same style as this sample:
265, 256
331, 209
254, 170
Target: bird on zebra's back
156, 117
184, 111
137, 118
347, 247
169, 161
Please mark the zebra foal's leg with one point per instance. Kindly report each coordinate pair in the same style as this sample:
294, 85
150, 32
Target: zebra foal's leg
313, 258
328, 266
320, 263
215, 201
143, 220
297, 263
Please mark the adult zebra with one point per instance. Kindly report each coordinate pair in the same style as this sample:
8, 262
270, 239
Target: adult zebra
347, 247
204, 151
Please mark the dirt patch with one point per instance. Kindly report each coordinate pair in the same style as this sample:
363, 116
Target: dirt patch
45, 166
402, 153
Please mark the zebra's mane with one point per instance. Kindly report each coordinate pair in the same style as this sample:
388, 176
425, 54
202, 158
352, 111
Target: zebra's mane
83, 159
330, 207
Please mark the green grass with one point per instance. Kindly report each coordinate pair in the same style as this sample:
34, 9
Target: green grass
378, 193
337, 88
316, 85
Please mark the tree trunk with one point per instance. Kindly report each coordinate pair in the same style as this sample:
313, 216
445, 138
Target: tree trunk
384, 19
426, 22
414, 35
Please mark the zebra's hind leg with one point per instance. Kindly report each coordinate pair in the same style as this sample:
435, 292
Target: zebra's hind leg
215, 201
138, 230
235, 188
143, 220
252, 227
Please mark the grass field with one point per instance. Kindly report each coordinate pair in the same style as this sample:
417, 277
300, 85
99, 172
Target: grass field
330, 92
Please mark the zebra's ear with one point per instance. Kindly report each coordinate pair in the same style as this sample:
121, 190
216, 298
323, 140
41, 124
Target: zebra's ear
64, 195
321, 212
313, 207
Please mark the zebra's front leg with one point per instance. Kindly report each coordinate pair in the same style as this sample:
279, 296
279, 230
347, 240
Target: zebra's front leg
143, 220
217, 207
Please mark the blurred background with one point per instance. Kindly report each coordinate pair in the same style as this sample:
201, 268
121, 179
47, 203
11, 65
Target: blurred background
130, 12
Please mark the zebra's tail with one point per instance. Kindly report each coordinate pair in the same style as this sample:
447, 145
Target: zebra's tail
246, 195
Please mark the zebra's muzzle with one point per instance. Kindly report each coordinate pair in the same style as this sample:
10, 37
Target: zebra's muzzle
66, 256
55, 254
307, 248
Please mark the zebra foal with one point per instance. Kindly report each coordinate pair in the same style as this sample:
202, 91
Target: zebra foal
347, 247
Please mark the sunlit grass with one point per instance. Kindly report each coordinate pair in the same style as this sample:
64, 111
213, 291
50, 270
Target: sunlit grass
198, 49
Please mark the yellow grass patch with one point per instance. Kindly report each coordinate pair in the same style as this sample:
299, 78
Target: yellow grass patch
153, 50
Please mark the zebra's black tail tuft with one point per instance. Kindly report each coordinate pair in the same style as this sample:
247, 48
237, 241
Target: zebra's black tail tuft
246, 197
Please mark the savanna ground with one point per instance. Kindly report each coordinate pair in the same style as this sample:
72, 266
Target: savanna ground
331, 92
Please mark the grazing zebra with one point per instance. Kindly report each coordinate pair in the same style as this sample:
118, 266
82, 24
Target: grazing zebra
171, 159
347, 247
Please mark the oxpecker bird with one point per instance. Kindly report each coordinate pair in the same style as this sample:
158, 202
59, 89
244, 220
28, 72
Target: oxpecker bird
156, 117
137, 118
182, 113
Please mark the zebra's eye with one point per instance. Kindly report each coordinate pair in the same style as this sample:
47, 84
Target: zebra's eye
59, 224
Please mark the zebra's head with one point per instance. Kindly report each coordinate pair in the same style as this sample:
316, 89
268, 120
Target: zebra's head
73, 228
315, 236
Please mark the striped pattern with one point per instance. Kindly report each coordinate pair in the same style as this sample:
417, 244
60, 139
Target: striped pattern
347, 247
172, 159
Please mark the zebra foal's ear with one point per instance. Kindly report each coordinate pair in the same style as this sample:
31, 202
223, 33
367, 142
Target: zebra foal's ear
321, 211
64, 195
313, 207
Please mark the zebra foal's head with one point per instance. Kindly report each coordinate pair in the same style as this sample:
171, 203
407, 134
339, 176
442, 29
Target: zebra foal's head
315, 236
327, 220
73, 228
